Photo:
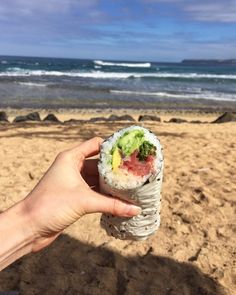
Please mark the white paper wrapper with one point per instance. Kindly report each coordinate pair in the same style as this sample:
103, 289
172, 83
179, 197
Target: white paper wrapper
147, 196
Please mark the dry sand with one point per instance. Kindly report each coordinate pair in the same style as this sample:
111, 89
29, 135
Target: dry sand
192, 253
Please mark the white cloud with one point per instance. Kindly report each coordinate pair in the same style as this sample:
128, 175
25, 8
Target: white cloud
203, 10
224, 11
28, 7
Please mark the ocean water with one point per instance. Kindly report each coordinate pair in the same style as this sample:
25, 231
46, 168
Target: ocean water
54, 82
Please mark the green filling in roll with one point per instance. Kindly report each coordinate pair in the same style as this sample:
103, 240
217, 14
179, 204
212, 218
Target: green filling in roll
132, 142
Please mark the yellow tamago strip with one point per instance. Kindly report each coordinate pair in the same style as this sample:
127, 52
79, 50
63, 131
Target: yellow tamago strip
116, 159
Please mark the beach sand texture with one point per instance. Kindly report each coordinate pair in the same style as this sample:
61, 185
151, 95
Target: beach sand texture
192, 253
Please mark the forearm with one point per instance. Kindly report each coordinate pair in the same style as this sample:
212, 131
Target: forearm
16, 235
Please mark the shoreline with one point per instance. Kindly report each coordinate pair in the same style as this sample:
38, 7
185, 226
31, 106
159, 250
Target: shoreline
203, 105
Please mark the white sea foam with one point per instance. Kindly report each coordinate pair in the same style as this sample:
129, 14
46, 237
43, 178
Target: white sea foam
117, 64
4, 62
183, 76
112, 75
191, 76
204, 95
93, 74
30, 84
145, 93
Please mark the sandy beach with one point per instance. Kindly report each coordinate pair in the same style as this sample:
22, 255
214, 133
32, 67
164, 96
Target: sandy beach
192, 253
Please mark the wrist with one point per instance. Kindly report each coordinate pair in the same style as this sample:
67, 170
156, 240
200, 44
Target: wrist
16, 234
36, 219
26, 224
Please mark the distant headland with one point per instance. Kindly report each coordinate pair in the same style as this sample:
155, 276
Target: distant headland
209, 61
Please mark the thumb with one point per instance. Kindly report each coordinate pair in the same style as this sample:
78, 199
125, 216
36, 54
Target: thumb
100, 203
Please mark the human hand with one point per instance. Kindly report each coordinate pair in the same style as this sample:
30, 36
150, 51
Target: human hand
67, 191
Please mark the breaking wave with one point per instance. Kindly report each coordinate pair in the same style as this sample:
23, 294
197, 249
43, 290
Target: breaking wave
116, 64
15, 72
203, 95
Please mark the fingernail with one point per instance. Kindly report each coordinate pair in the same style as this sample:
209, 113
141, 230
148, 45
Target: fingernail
133, 210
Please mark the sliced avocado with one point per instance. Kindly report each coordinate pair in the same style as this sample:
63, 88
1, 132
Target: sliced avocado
116, 158
130, 141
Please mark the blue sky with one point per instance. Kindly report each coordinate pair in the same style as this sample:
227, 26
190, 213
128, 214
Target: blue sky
148, 30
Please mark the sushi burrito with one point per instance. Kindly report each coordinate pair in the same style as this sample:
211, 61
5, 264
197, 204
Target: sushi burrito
131, 168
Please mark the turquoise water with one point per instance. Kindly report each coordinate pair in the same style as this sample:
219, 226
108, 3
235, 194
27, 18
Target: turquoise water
53, 82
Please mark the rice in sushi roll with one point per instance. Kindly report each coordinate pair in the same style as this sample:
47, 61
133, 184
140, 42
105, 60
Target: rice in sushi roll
131, 168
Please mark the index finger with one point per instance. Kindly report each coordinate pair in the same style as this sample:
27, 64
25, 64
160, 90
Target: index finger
88, 148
